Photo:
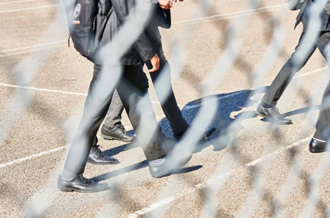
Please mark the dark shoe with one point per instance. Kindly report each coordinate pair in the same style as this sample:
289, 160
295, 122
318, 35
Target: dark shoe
169, 164
118, 133
206, 135
97, 157
80, 184
317, 146
273, 115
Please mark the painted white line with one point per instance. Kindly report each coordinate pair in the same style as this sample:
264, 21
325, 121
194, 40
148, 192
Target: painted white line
154, 102
241, 92
230, 14
33, 46
28, 9
53, 150
174, 23
208, 182
311, 72
33, 50
31, 157
14, 2
43, 90
51, 90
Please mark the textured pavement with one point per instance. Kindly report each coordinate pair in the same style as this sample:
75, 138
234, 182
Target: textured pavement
268, 170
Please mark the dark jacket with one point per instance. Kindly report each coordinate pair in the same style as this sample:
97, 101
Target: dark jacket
141, 48
305, 14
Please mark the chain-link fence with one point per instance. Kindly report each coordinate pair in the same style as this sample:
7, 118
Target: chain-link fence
255, 168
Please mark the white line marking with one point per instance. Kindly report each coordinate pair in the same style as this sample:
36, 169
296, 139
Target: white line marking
311, 72
33, 46
230, 14
13, 2
31, 157
154, 102
208, 182
51, 90
27, 9
177, 22
43, 90
33, 50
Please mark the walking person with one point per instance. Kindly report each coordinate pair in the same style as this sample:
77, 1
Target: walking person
131, 91
112, 127
314, 14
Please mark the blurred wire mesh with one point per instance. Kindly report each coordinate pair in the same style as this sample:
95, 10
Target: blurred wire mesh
230, 56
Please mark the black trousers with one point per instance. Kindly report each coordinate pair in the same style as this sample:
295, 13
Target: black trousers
131, 89
170, 106
299, 58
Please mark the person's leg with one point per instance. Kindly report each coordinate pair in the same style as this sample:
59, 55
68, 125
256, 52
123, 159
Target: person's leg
115, 110
299, 58
323, 123
132, 90
162, 82
169, 103
112, 127
322, 134
96, 105
267, 107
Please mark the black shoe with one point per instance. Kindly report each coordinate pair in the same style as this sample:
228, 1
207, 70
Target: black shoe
80, 184
169, 164
273, 115
118, 133
97, 157
206, 135
317, 146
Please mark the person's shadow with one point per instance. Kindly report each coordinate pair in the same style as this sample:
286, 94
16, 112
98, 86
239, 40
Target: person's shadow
226, 104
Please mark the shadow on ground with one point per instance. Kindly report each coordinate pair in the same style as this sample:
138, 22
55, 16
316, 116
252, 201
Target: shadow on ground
226, 105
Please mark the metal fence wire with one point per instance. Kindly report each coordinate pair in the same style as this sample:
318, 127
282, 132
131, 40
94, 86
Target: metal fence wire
254, 168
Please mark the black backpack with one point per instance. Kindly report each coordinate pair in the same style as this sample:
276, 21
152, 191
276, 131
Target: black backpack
86, 21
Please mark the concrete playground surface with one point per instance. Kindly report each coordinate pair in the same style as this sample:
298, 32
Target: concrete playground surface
248, 168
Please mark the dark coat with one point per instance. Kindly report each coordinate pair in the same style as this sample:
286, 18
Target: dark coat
142, 48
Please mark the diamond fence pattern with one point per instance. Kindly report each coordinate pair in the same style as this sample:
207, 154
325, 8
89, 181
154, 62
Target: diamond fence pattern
207, 109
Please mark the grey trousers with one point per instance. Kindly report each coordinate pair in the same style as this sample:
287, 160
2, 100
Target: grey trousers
169, 106
293, 65
131, 91
114, 112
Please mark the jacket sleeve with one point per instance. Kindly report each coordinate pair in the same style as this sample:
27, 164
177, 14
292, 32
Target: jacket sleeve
142, 44
295, 4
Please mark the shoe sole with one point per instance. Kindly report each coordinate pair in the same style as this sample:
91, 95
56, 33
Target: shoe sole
207, 136
171, 171
316, 151
261, 114
106, 137
96, 163
67, 189
289, 121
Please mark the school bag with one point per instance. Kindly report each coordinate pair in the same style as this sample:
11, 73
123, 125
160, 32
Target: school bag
86, 22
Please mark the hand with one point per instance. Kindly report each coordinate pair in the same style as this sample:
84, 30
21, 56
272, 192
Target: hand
165, 4
155, 63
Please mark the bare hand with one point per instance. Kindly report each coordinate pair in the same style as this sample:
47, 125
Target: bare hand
155, 63
165, 4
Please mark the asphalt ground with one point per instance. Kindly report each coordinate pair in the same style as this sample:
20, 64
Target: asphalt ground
268, 172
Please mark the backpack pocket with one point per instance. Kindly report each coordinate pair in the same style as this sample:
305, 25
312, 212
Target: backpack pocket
84, 41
